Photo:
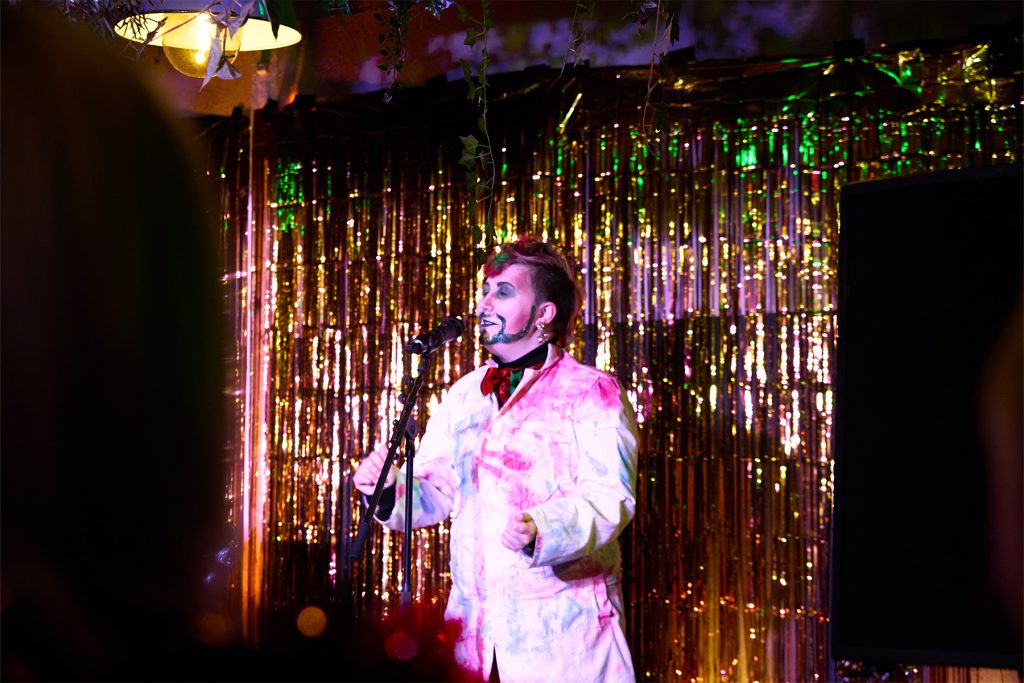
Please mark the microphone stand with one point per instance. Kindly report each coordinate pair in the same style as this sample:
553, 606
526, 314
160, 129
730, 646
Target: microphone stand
403, 428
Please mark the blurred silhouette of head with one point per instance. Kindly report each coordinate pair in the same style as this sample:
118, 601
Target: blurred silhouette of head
111, 377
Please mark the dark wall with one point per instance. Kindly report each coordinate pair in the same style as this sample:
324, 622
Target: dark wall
927, 543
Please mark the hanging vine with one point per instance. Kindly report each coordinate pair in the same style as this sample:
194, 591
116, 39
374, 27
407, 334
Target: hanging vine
477, 157
103, 15
582, 12
665, 32
394, 27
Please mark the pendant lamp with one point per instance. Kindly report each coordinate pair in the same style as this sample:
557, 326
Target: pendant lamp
190, 29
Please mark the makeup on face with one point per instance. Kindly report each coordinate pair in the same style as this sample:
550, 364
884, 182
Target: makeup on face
508, 312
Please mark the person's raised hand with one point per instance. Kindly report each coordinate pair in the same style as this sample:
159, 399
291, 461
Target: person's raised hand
368, 472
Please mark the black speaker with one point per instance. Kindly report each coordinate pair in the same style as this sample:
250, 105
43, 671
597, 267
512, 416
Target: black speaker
926, 531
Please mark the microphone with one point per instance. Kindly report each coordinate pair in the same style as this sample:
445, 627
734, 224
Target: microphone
448, 330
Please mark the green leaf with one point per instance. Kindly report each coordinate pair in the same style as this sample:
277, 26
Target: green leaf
469, 143
463, 14
661, 117
470, 37
467, 75
673, 18
280, 11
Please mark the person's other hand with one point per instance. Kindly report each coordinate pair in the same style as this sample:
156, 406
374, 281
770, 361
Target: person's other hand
519, 532
368, 472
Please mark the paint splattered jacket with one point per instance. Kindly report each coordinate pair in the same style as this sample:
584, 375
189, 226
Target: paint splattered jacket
563, 449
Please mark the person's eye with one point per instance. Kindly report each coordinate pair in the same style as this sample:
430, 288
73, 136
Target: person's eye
505, 292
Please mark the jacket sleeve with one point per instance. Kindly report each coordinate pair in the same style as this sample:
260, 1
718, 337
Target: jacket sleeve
433, 477
604, 500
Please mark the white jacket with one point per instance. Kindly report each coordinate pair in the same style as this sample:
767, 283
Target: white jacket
562, 449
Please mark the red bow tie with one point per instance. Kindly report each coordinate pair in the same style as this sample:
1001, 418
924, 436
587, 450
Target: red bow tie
499, 381
503, 381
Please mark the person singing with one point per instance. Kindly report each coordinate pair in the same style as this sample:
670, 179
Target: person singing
533, 456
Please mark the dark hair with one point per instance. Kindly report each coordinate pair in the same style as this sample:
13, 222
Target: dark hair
552, 277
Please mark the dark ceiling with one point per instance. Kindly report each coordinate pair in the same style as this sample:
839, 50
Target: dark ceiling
339, 54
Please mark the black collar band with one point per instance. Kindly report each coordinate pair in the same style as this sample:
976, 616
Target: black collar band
538, 355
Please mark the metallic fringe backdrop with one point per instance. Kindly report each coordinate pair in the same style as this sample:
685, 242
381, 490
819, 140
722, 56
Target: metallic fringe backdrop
706, 241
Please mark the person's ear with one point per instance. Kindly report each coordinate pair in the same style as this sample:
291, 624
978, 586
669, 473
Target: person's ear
546, 312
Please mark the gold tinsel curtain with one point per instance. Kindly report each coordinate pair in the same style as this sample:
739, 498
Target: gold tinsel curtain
707, 246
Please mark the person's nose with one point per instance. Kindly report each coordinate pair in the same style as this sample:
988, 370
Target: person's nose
483, 304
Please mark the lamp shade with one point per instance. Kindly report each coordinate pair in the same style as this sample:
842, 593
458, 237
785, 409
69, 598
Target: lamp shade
188, 26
